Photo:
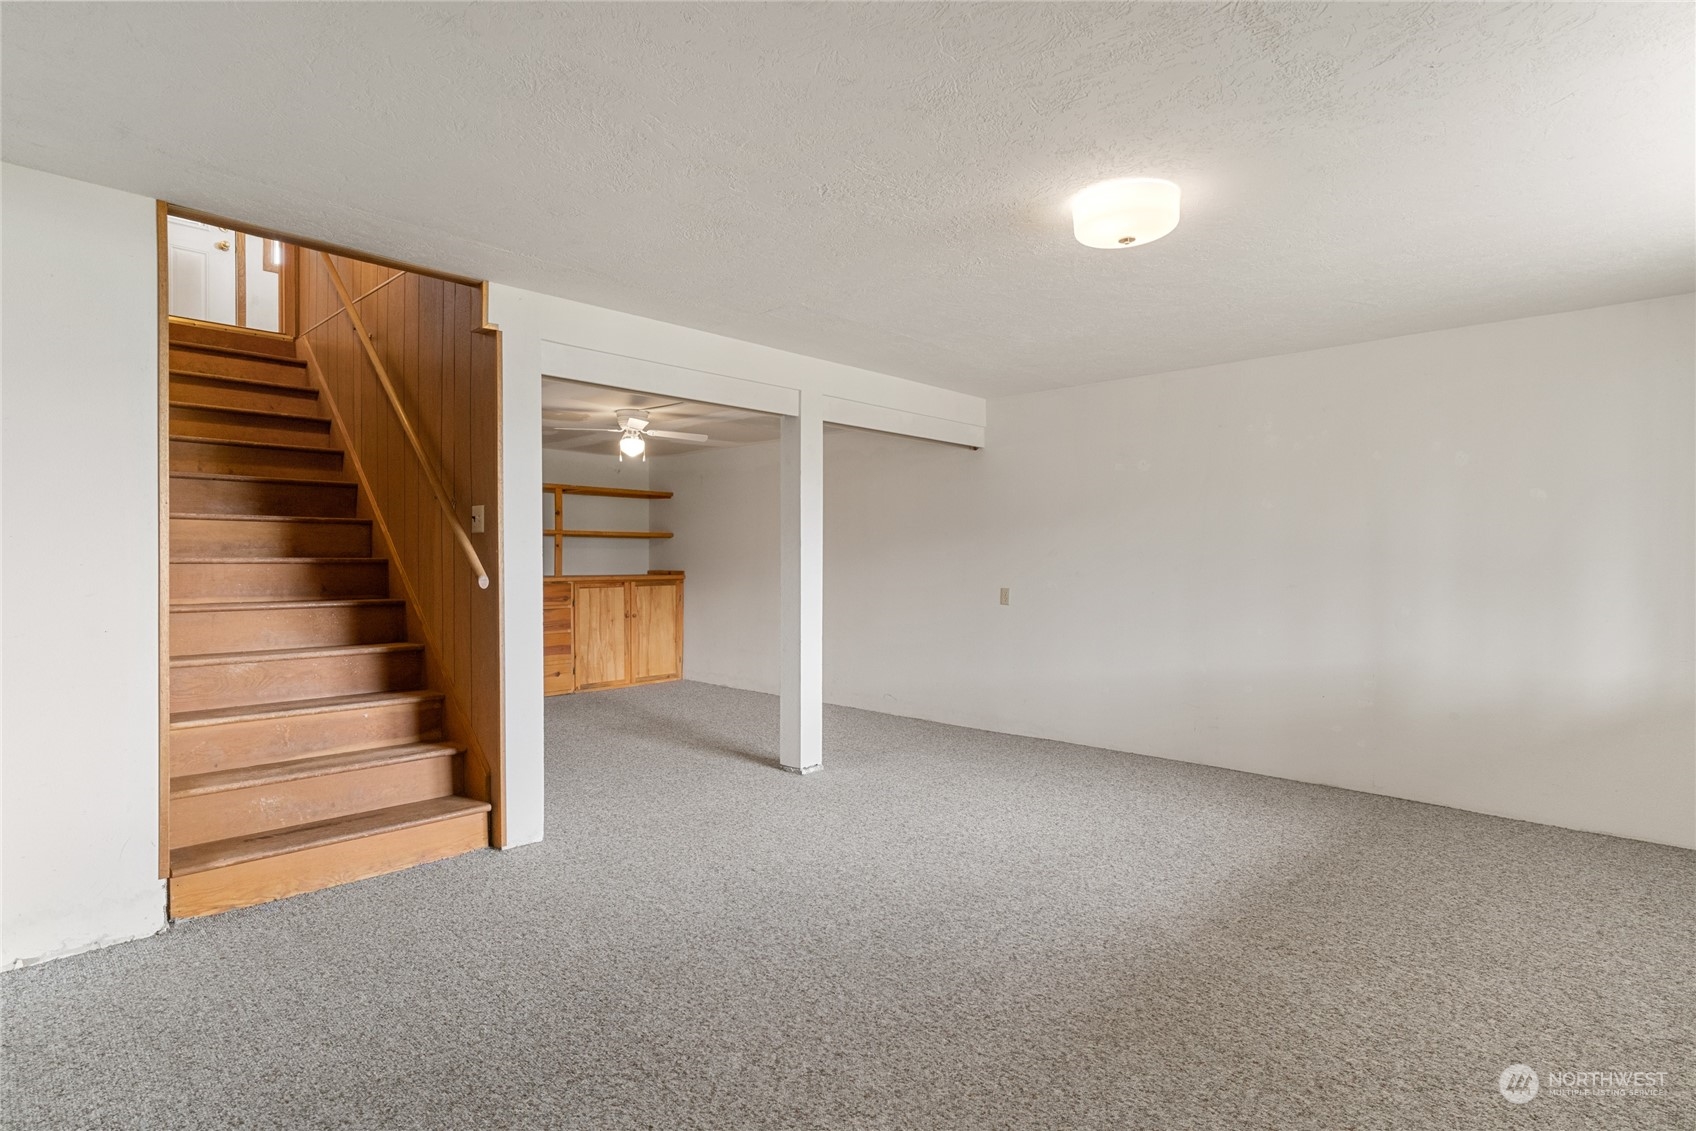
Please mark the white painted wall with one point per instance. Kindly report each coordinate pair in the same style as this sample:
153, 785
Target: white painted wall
1455, 567
587, 512
79, 609
724, 518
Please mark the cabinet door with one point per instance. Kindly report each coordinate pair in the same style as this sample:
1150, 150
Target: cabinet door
602, 643
656, 630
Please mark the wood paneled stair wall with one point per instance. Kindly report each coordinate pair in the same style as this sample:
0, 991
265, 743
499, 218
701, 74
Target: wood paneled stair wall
306, 748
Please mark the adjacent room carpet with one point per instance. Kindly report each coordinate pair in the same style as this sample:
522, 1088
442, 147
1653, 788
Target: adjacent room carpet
945, 929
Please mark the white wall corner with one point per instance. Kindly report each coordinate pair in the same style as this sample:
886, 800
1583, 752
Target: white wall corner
123, 916
79, 323
512, 311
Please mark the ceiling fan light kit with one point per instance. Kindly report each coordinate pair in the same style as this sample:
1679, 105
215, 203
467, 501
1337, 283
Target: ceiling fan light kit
1127, 212
632, 430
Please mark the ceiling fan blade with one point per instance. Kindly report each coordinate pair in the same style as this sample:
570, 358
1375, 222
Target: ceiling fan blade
568, 428
564, 414
661, 434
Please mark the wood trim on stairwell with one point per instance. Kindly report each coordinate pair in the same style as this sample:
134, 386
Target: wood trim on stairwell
161, 213
483, 775
497, 781
497, 775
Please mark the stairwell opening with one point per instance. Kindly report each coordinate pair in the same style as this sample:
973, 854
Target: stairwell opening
330, 659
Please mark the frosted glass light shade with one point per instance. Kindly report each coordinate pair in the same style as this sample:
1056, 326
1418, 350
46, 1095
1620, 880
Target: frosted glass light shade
632, 446
1127, 212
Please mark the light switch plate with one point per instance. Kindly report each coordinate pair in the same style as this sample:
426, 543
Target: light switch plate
1005, 595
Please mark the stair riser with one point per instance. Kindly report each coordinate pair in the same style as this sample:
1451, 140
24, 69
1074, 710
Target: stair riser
231, 338
240, 581
195, 632
212, 537
233, 496
224, 424
223, 459
260, 881
246, 683
213, 393
241, 812
226, 365
237, 745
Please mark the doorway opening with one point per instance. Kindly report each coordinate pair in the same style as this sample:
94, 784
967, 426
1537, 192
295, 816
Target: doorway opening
617, 528
331, 668
223, 276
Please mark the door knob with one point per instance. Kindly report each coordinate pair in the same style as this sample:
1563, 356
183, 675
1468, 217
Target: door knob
223, 245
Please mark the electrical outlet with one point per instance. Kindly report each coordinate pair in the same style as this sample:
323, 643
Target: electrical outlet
477, 523
1006, 594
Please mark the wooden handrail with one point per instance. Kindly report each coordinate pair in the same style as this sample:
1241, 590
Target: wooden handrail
435, 481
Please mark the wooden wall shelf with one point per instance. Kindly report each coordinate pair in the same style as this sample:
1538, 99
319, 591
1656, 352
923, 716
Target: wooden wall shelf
556, 492
605, 492
610, 533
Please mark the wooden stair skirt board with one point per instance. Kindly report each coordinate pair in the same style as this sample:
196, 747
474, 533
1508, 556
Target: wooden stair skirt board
305, 749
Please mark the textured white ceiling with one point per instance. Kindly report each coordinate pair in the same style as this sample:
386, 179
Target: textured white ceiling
884, 184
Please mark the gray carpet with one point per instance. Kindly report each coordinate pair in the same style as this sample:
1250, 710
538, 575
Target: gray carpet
945, 929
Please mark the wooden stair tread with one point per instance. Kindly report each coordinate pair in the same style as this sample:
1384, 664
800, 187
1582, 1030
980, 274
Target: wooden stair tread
217, 605
231, 351
316, 449
293, 708
268, 413
236, 477
272, 773
270, 561
205, 659
236, 850
257, 382
217, 517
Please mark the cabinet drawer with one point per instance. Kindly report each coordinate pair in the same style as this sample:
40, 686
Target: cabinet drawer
556, 593
556, 618
556, 680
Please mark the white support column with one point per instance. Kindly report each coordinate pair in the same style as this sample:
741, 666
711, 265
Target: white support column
801, 495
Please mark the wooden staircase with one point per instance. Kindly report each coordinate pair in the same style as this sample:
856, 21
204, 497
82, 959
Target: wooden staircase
306, 749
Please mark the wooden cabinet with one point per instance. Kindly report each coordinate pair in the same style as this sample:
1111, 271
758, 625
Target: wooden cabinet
558, 614
656, 631
611, 631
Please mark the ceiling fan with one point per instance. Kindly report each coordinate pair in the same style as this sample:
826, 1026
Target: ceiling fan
632, 428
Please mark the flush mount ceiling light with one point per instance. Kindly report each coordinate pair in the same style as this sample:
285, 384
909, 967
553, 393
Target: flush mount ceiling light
1127, 212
